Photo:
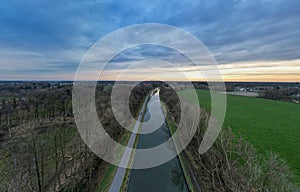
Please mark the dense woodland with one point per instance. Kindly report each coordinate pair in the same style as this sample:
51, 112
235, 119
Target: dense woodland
41, 149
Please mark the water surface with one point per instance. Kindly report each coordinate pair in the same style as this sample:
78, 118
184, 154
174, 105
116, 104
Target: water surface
166, 177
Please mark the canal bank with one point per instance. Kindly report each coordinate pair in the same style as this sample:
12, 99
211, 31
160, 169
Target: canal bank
166, 177
117, 182
185, 158
185, 162
124, 186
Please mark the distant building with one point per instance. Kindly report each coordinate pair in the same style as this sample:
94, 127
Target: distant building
296, 97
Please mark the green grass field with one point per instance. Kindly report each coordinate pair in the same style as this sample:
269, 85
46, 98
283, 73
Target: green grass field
269, 125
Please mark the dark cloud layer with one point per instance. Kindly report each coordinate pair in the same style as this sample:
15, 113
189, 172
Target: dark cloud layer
54, 35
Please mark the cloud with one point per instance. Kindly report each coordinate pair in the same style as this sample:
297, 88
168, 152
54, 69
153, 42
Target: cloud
47, 37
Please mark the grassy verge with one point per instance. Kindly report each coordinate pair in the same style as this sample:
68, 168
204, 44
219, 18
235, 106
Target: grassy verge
131, 161
107, 178
128, 171
111, 170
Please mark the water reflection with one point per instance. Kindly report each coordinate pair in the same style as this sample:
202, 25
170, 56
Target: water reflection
164, 178
178, 178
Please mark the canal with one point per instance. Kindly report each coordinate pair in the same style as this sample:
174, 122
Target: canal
167, 177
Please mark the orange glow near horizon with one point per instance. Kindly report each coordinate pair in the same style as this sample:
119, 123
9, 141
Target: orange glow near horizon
258, 71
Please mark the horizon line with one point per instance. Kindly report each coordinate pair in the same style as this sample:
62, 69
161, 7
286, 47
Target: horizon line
201, 81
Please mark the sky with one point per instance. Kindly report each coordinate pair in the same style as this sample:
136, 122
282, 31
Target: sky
255, 40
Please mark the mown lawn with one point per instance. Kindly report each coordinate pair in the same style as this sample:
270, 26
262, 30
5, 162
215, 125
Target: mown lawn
269, 125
